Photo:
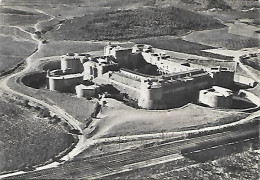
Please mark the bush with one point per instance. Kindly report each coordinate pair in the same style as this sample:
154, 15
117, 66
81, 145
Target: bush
44, 113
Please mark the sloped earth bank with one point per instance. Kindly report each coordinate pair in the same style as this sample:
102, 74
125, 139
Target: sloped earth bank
26, 144
27, 137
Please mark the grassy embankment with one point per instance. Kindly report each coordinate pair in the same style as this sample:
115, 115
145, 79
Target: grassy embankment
80, 109
120, 120
28, 136
15, 45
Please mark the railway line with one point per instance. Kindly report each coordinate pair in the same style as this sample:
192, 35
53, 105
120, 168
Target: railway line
98, 166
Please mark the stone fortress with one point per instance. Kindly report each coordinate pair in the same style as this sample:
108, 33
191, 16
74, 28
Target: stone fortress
175, 82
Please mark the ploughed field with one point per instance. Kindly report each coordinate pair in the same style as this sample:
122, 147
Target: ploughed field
27, 137
222, 38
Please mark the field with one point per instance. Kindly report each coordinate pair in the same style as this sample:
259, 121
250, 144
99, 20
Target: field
26, 138
63, 9
180, 45
232, 15
15, 46
221, 38
244, 30
120, 120
58, 48
12, 17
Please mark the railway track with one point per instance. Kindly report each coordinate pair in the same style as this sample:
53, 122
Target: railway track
97, 166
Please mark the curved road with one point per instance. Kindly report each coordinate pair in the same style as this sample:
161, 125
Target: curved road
83, 143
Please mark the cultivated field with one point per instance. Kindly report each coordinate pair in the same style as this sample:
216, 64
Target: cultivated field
15, 46
26, 137
179, 45
244, 30
57, 48
222, 38
12, 17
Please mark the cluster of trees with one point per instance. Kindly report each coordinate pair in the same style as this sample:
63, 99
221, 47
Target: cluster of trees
15, 11
254, 63
220, 4
128, 24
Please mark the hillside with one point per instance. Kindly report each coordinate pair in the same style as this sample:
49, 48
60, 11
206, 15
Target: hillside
210, 4
27, 138
135, 23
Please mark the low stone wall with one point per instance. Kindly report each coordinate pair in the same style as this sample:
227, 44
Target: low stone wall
244, 80
253, 98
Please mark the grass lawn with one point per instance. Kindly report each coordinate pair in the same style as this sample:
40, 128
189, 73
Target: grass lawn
58, 48
120, 120
221, 38
26, 139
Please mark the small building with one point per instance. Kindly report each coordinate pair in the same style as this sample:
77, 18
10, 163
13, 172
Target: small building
87, 91
216, 97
